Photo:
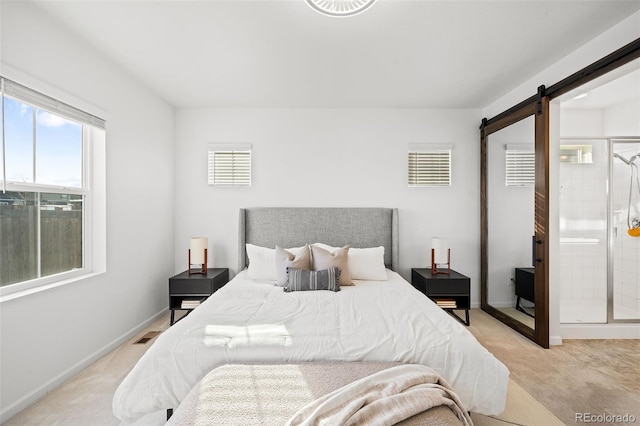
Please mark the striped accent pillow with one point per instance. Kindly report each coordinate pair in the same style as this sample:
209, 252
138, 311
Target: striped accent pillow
301, 280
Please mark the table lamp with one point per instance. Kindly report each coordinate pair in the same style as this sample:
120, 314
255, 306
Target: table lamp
440, 256
198, 255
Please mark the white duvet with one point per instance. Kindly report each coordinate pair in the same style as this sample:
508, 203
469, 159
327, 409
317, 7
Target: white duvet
250, 321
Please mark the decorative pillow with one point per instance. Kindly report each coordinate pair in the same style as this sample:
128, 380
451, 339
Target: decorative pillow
324, 259
285, 259
367, 264
301, 280
261, 262
327, 247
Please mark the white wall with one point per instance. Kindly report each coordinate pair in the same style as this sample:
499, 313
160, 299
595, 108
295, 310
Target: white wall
581, 123
625, 32
46, 337
622, 119
332, 158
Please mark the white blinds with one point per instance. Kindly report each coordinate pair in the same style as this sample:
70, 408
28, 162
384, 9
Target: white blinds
429, 166
39, 100
229, 167
520, 165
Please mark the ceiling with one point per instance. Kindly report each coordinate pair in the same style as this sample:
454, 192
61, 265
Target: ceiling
283, 54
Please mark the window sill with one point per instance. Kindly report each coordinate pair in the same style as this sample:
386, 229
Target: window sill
19, 293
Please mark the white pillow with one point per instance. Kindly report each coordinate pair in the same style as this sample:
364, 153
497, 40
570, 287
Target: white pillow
364, 263
262, 261
367, 264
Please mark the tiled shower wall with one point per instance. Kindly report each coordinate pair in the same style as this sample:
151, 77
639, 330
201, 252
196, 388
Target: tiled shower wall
583, 237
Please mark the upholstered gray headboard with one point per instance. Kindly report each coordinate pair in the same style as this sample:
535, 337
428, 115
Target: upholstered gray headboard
295, 227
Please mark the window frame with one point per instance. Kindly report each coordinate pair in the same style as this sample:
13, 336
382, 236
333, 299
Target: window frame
241, 178
438, 174
93, 144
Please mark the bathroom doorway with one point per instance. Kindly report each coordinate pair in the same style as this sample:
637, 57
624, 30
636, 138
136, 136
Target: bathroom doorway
599, 200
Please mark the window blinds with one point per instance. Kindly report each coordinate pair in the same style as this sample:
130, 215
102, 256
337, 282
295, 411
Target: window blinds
39, 100
520, 165
429, 166
229, 166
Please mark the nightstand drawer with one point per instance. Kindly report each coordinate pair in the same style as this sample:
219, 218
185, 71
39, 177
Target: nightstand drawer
450, 286
203, 286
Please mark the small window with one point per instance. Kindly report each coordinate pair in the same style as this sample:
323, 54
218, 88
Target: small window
429, 165
229, 165
520, 164
576, 154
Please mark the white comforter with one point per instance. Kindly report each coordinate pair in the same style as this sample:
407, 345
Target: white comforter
250, 321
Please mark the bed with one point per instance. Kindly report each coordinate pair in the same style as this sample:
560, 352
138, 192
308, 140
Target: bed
251, 321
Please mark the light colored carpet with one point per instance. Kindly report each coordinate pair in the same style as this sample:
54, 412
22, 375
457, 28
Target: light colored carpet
521, 409
580, 376
86, 398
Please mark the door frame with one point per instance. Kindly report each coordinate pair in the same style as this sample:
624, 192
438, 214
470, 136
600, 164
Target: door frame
538, 107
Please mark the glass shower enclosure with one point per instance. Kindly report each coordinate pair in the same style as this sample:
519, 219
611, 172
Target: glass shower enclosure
599, 219
625, 230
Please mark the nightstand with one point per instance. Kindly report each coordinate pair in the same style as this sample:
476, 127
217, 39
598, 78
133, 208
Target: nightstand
194, 288
448, 291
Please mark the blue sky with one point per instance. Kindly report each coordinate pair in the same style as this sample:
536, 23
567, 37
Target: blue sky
58, 150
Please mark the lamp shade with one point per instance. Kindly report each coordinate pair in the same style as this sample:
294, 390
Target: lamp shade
197, 245
440, 247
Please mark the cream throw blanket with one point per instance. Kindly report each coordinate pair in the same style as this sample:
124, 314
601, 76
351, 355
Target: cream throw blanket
383, 398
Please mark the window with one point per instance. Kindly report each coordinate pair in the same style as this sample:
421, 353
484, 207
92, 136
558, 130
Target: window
520, 164
45, 192
229, 165
429, 165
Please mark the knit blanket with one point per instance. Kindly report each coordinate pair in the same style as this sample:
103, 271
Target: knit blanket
383, 398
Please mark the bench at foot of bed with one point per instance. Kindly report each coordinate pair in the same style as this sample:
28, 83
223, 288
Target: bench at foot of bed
271, 394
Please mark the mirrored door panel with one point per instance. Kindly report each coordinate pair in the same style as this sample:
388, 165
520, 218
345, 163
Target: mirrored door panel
510, 220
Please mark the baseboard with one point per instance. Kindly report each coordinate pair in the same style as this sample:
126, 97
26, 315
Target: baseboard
38, 393
600, 331
555, 340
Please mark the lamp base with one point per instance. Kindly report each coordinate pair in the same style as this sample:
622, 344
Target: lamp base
203, 268
434, 266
